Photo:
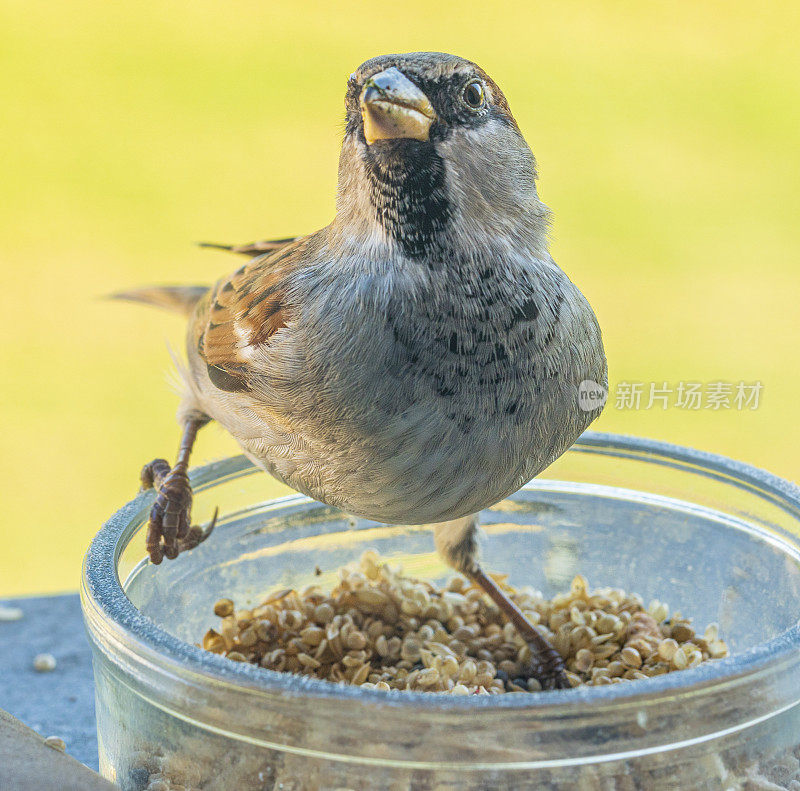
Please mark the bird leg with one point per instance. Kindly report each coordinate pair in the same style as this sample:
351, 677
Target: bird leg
457, 542
169, 531
547, 664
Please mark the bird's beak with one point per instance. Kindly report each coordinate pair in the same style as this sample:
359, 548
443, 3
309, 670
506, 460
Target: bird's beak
392, 107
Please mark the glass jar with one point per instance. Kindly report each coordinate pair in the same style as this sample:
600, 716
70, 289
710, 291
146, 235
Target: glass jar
717, 539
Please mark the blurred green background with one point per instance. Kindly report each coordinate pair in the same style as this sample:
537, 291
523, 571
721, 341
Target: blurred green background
667, 136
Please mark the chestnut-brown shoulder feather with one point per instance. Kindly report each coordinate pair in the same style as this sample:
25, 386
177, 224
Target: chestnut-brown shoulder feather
244, 311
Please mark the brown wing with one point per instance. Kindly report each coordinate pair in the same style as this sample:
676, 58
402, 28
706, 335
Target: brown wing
243, 312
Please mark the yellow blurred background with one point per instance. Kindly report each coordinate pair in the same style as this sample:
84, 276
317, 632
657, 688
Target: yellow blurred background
668, 140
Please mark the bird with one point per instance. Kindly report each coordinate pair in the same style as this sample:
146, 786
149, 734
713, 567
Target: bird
416, 360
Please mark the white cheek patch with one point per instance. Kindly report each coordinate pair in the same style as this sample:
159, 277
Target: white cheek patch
490, 126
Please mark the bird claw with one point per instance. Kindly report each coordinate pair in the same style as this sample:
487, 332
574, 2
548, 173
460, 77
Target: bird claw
197, 534
169, 530
547, 667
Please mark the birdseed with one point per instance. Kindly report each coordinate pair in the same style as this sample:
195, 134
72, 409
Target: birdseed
56, 742
10, 613
44, 663
381, 630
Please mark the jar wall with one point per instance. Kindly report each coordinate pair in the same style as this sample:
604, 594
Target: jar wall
712, 538
149, 744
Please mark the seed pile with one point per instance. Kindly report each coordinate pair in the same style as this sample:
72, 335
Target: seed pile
384, 631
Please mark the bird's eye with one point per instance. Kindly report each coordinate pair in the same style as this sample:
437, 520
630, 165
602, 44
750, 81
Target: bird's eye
473, 95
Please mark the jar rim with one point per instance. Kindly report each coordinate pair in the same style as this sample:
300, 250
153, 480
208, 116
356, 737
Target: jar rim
104, 602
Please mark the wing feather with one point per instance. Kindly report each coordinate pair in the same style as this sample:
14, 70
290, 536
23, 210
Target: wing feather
243, 312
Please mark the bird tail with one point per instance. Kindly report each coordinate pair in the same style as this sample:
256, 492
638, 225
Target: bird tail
179, 299
252, 249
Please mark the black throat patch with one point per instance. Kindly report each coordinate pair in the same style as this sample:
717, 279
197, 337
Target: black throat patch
407, 180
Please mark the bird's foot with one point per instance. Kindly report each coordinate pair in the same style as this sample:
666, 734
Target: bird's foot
169, 531
547, 666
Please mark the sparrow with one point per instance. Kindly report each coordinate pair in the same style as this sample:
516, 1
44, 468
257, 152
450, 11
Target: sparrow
418, 359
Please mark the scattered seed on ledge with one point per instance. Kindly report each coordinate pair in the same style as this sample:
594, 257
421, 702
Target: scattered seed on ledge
381, 630
44, 663
56, 742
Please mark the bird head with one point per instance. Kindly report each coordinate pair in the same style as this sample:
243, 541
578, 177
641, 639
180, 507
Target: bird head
433, 160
